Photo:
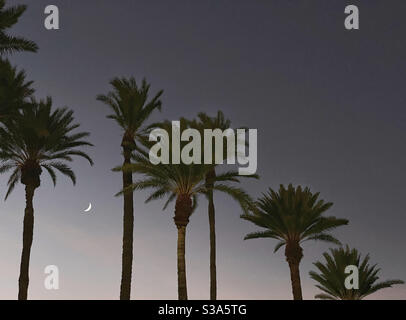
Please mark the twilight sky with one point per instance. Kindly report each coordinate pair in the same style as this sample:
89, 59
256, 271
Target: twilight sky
329, 106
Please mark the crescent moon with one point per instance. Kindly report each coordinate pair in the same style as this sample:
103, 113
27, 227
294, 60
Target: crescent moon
89, 208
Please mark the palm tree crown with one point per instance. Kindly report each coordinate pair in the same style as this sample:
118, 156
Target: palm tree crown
40, 138
8, 18
293, 215
174, 181
204, 121
130, 108
331, 276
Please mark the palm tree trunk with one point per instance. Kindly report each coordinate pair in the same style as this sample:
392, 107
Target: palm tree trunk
182, 288
295, 278
183, 210
128, 230
294, 254
213, 268
28, 230
212, 226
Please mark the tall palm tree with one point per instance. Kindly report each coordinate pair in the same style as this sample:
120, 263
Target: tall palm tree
331, 276
131, 109
219, 122
15, 91
293, 216
175, 181
8, 18
39, 138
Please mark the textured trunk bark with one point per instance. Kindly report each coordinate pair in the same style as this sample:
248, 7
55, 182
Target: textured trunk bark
28, 231
128, 231
295, 278
182, 287
294, 254
212, 226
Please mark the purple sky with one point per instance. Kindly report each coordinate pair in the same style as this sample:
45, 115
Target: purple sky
329, 106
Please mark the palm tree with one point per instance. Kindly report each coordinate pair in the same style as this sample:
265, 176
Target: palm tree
331, 276
219, 122
175, 181
130, 110
8, 18
39, 138
293, 216
14, 90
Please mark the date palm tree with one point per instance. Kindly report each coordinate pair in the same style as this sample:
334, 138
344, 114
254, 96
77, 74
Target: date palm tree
9, 17
331, 276
202, 123
179, 182
131, 109
38, 138
15, 91
293, 216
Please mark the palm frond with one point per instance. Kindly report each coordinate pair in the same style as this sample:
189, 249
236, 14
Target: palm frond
261, 234
9, 44
64, 169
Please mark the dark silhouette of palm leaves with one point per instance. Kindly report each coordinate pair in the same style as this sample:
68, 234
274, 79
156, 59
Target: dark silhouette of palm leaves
14, 90
9, 17
41, 136
171, 180
131, 108
293, 214
168, 180
204, 121
331, 275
